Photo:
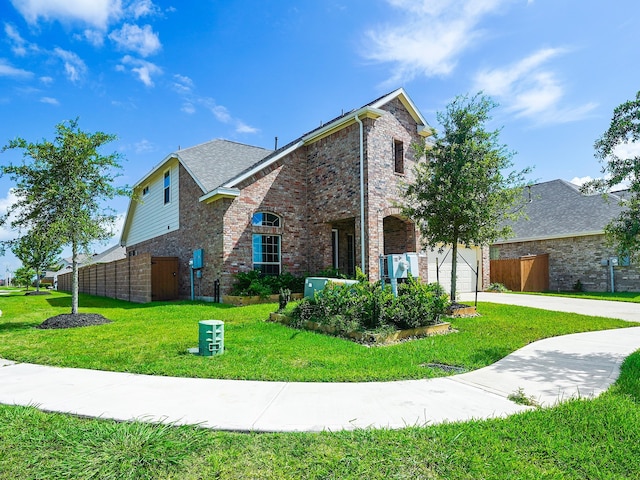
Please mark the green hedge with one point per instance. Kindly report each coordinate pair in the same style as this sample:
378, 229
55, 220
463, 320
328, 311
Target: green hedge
255, 283
367, 306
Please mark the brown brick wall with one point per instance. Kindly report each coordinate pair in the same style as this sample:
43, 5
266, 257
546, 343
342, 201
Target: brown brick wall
577, 258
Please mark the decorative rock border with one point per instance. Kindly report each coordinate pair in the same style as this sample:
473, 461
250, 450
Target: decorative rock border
375, 338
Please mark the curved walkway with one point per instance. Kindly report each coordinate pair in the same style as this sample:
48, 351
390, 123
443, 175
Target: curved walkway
550, 370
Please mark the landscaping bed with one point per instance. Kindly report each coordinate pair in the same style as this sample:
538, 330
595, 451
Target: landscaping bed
384, 338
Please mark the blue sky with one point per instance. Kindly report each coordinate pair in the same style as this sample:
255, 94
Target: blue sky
166, 74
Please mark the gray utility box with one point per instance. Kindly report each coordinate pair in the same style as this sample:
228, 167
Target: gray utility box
210, 337
317, 284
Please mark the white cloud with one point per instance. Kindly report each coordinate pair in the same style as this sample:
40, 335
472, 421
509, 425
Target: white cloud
94, 37
581, 180
627, 150
50, 101
133, 38
142, 8
46, 80
6, 70
143, 69
74, 67
18, 44
144, 146
188, 108
183, 84
221, 113
242, 127
431, 38
528, 88
97, 13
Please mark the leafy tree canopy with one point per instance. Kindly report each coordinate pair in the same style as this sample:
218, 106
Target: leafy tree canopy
62, 186
621, 165
461, 193
37, 251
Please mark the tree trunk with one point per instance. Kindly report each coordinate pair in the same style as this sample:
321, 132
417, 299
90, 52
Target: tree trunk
454, 268
37, 280
74, 284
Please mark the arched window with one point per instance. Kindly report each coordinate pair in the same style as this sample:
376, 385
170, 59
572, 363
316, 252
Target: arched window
266, 247
265, 219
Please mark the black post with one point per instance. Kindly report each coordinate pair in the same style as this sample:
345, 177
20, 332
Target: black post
216, 291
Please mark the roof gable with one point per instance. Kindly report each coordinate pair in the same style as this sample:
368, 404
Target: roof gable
211, 164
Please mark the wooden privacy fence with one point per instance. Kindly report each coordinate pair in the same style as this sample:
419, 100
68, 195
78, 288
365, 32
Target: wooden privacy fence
524, 274
139, 279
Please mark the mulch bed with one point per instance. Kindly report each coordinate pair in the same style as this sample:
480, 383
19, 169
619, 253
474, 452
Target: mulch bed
70, 320
41, 292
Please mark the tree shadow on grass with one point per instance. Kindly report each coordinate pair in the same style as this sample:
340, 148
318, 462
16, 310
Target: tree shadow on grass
91, 301
10, 326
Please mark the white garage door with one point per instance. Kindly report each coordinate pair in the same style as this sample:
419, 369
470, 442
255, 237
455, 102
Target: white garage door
467, 258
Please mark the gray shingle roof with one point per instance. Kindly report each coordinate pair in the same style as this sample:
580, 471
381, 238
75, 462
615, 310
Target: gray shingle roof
214, 163
558, 209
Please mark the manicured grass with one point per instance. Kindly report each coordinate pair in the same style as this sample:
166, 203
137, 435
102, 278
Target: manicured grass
579, 439
633, 297
154, 339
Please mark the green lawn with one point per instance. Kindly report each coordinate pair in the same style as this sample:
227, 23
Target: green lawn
580, 439
154, 338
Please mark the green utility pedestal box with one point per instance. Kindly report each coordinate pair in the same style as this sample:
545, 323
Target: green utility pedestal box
210, 337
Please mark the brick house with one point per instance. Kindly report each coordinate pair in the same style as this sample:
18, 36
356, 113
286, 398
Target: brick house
569, 226
327, 199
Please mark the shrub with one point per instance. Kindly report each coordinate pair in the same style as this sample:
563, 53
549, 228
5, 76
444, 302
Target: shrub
498, 287
365, 306
578, 286
255, 283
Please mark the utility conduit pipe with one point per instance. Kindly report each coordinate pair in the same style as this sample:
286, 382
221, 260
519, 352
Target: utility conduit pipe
362, 250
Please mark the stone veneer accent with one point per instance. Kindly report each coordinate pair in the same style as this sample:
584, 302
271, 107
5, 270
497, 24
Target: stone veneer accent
577, 258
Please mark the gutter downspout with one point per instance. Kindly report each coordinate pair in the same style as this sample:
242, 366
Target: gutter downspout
362, 249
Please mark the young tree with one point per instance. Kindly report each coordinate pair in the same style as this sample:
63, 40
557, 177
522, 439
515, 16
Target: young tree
37, 251
621, 164
460, 194
62, 189
23, 277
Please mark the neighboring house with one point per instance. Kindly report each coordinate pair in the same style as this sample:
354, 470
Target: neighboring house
569, 226
302, 208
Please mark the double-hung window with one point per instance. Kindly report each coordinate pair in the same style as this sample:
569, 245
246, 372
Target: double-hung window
167, 187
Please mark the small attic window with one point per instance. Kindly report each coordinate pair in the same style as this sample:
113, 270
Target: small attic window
145, 191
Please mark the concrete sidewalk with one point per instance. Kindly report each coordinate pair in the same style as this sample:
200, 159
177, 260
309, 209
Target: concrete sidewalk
550, 370
598, 308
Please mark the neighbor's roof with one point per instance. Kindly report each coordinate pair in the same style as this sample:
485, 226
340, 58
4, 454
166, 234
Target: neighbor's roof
557, 209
